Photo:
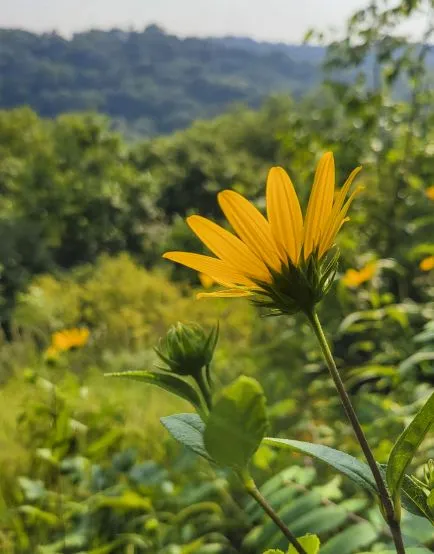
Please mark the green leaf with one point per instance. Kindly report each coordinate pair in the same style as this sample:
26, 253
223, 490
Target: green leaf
167, 381
414, 499
406, 446
309, 542
351, 540
237, 423
187, 429
357, 471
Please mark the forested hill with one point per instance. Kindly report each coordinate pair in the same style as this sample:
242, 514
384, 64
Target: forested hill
150, 81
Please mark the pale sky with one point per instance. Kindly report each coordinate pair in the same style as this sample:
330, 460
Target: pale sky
271, 20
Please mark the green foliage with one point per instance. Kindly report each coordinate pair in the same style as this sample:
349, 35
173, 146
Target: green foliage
171, 383
84, 217
309, 542
149, 82
406, 446
237, 423
344, 463
188, 429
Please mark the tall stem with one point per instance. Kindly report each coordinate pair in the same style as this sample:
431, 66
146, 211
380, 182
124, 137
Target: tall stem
385, 499
254, 492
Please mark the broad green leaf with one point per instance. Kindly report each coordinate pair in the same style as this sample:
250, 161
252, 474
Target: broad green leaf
274, 551
357, 471
166, 381
406, 446
309, 542
237, 423
188, 430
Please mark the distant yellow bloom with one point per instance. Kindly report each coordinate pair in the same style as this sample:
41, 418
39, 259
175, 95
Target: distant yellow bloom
354, 278
206, 281
281, 258
69, 338
427, 263
430, 192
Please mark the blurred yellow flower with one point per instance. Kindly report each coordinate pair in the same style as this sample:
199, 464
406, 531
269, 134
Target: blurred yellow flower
427, 263
69, 338
354, 278
430, 192
267, 255
206, 281
51, 353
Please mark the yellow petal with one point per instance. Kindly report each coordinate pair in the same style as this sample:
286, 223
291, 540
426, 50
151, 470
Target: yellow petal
228, 248
251, 226
337, 206
351, 278
338, 222
320, 203
427, 263
205, 280
216, 269
430, 192
284, 212
228, 293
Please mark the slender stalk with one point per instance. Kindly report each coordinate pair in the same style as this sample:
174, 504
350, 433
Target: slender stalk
254, 492
202, 381
385, 499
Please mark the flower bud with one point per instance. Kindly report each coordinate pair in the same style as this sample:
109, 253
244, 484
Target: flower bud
428, 470
186, 348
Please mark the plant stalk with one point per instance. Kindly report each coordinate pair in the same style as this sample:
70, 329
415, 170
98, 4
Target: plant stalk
254, 492
386, 501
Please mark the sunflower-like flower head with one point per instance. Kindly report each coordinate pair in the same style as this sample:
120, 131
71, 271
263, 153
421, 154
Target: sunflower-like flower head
186, 348
69, 339
283, 262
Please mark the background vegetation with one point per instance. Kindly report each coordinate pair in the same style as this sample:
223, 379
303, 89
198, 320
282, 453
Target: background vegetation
85, 215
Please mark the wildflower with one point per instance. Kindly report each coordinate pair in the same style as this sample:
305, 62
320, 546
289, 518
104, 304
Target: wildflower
429, 192
282, 262
354, 278
69, 338
427, 263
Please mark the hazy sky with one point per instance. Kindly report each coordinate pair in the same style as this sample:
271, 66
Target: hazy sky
275, 20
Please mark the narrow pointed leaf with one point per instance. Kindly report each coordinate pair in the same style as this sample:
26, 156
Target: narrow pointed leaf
406, 446
356, 470
166, 381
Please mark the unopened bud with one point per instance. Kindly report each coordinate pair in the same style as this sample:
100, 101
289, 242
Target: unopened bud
186, 348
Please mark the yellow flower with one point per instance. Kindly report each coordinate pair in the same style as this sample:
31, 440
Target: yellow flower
354, 278
69, 338
427, 263
430, 192
282, 258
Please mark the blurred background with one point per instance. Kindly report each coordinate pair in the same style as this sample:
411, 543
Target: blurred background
117, 120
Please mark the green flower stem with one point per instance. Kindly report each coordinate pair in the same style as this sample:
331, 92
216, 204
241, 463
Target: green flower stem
204, 387
254, 492
386, 502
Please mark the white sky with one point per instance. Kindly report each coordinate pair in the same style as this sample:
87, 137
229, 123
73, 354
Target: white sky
271, 20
